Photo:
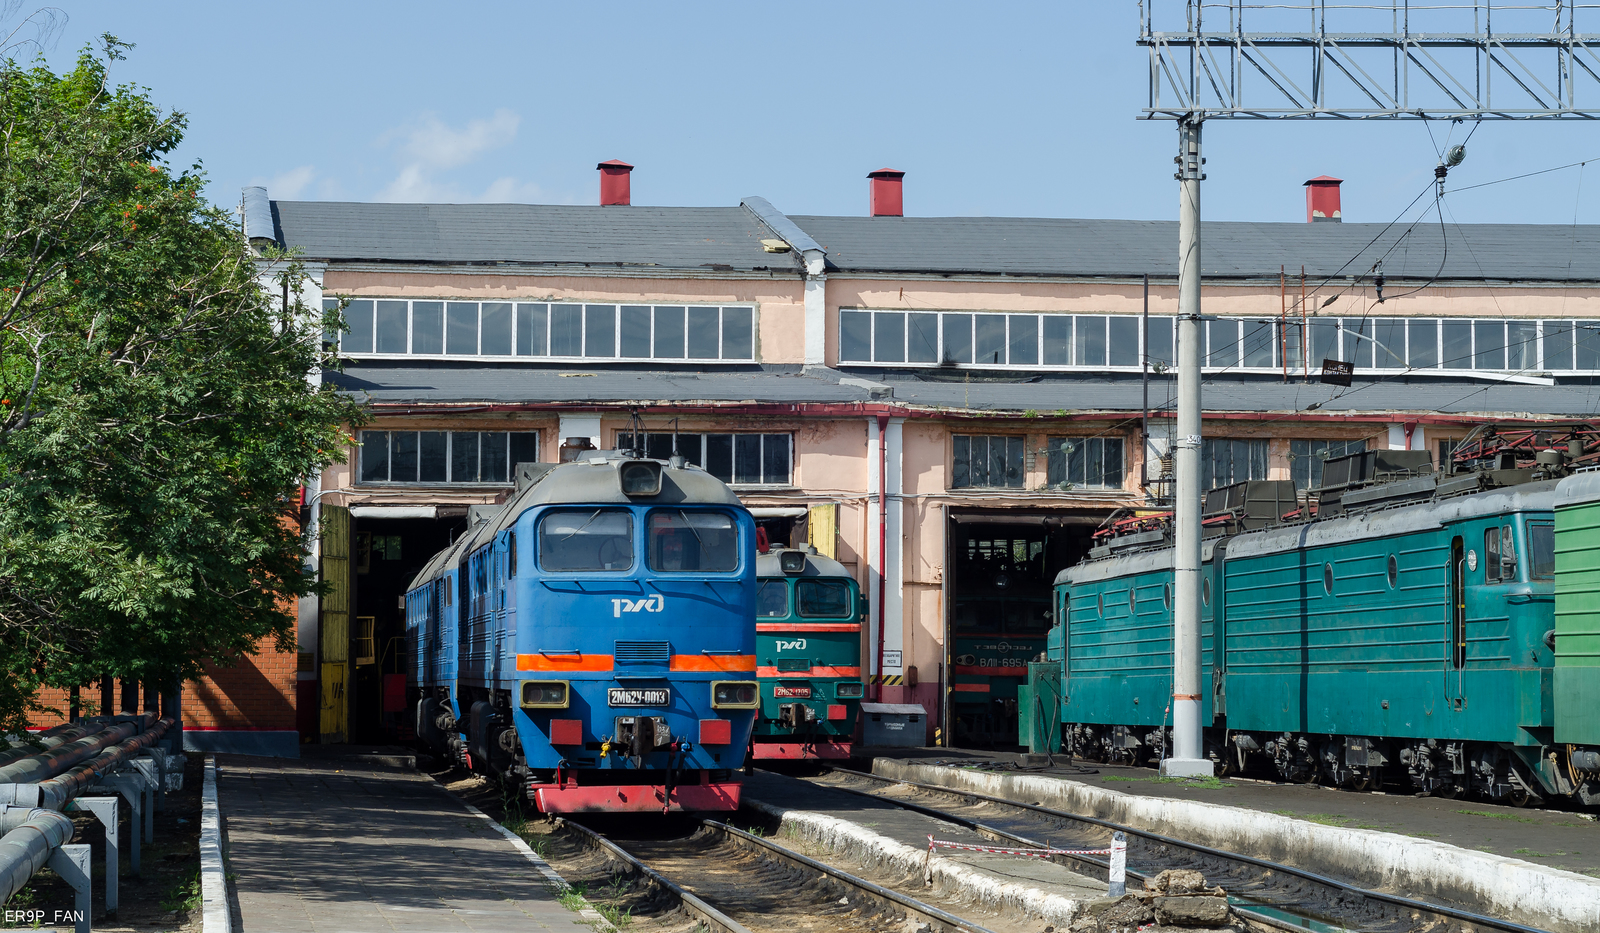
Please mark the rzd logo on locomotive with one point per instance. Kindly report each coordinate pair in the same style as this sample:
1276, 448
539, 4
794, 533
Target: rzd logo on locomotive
649, 604
798, 644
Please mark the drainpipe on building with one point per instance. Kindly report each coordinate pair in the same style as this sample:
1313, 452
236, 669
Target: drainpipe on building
883, 551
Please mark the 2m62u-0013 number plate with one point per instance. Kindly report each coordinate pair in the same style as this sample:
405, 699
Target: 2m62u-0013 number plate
637, 696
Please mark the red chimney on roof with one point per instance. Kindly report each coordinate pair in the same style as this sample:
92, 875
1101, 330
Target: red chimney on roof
614, 183
1322, 199
885, 197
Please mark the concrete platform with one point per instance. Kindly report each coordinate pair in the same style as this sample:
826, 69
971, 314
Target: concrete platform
352, 846
1500, 861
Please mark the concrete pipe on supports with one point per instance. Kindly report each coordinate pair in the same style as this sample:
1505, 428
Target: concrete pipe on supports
43, 742
29, 836
42, 765
56, 791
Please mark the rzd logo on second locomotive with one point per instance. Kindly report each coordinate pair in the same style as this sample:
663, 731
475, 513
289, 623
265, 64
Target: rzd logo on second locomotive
654, 603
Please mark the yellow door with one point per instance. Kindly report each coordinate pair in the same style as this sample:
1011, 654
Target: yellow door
335, 630
824, 530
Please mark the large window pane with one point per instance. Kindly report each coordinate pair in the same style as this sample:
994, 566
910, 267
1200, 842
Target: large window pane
1587, 345
391, 327
636, 331
358, 316
566, 330
374, 456
1024, 339
960, 474
1522, 346
747, 458
524, 447
978, 462
989, 339
496, 329
823, 599
434, 457
669, 332
1489, 345
957, 338
1422, 344
1222, 343
533, 322
463, 456
889, 337
427, 327
1225, 461
719, 456
1307, 457
1390, 352
586, 539
1123, 347
775, 458
492, 459
704, 330
1112, 452
738, 334
1091, 341
855, 336
1324, 341
1456, 340
1057, 339
461, 328
684, 540
1260, 345
1358, 348
922, 338
600, 330
403, 457
1557, 345
1160, 341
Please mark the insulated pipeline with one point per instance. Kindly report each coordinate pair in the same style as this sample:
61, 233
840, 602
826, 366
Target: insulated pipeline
55, 792
30, 836
41, 765
43, 742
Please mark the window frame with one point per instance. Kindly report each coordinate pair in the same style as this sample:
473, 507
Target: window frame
988, 439
540, 548
686, 510
363, 448
701, 457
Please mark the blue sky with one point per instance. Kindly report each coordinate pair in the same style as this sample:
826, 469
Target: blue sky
991, 109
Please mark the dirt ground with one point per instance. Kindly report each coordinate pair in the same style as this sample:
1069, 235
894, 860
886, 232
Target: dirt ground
165, 898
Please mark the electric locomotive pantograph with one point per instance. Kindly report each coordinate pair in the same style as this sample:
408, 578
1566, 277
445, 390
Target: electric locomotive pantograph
593, 639
1436, 630
809, 614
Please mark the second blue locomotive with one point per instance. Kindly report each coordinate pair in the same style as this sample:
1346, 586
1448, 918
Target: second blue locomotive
592, 639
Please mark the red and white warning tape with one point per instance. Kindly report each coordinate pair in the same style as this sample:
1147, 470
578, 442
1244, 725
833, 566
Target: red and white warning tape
1035, 853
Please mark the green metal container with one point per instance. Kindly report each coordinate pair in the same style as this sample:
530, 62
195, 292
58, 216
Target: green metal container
1576, 685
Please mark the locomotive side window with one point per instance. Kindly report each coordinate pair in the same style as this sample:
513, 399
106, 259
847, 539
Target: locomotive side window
1394, 571
772, 600
683, 541
1541, 550
1499, 554
823, 599
1327, 579
589, 539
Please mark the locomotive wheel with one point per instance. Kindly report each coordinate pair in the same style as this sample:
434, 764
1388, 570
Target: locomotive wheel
1358, 780
1447, 791
1518, 798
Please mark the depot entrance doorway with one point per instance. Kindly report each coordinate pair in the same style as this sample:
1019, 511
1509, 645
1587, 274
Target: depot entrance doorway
1001, 565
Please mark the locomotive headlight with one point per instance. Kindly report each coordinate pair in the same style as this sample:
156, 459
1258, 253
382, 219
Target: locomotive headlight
641, 478
792, 561
546, 694
848, 690
735, 694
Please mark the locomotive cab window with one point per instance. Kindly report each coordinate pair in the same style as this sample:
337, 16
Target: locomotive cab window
683, 541
1499, 555
1541, 550
587, 539
772, 599
823, 599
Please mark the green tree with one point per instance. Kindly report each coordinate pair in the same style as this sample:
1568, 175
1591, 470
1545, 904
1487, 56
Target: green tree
156, 417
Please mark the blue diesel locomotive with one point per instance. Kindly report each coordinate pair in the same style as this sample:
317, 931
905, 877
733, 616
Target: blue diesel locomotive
592, 640
1404, 633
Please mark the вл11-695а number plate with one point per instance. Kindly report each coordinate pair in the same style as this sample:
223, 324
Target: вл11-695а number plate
639, 696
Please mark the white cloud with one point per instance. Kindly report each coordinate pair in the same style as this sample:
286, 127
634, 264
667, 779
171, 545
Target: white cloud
429, 146
287, 186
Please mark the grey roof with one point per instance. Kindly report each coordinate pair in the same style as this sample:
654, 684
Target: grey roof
729, 239
1046, 394
817, 565
680, 238
1070, 247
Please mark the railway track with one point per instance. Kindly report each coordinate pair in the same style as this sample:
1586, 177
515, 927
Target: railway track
1266, 893
729, 880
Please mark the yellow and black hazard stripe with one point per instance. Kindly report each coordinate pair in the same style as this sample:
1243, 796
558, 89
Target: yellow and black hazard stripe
890, 680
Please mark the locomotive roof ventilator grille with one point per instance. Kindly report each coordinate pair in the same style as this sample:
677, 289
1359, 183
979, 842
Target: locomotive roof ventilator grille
643, 653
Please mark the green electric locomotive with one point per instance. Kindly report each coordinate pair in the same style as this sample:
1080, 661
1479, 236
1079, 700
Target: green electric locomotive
1402, 626
809, 614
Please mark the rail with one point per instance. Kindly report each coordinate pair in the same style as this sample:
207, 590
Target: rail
1253, 911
